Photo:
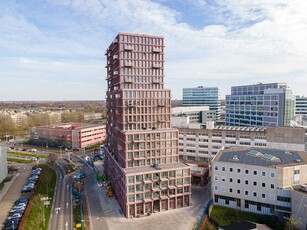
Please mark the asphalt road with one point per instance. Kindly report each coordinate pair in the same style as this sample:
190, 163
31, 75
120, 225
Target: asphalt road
93, 194
61, 214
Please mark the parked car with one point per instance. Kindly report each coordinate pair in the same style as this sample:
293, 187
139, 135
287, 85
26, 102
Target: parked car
33, 150
33, 158
20, 210
15, 215
22, 201
13, 223
75, 149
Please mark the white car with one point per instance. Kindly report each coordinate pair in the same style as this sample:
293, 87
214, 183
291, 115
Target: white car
33, 150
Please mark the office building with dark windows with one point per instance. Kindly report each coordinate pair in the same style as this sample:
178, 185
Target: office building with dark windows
141, 154
260, 105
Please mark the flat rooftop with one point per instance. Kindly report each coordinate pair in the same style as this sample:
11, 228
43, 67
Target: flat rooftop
69, 126
261, 157
298, 189
232, 128
150, 169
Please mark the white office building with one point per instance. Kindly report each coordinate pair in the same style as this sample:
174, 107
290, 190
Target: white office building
194, 116
257, 180
3, 163
203, 144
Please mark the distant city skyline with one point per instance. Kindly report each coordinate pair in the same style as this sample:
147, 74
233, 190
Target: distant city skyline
54, 49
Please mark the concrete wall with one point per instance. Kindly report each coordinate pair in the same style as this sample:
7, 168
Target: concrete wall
3, 163
290, 135
299, 208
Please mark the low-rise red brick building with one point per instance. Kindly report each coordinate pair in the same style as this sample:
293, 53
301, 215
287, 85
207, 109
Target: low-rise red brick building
68, 135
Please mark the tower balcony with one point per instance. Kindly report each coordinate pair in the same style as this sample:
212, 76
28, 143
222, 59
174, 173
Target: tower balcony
128, 48
156, 82
128, 80
161, 104
128, 64
131, 105
156, 189
156, 50
156, 66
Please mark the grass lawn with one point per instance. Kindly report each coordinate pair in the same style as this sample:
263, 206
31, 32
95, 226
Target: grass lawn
45, 189
223, 216
76, 211
10, 159
97, 145
27, 154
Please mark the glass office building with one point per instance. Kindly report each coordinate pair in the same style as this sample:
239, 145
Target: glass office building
301, 106
260, 105
210, 96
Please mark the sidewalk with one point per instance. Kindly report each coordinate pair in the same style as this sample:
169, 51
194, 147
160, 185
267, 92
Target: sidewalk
7, 186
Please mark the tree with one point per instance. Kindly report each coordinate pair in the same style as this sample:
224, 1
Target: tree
291, 224
52, 158
7, 125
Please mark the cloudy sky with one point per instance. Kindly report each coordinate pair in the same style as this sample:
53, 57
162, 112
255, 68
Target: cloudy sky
54, 49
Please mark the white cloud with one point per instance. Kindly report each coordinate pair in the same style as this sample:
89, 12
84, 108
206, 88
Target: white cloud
251, 41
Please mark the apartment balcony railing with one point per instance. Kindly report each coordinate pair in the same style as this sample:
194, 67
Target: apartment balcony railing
156, 50
156, 81
156, 66
160, 104
128, 64
128, 48
115, 56
128, 80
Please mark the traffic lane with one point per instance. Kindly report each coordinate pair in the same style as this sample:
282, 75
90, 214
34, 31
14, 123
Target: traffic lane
95, 205
56, 217
67, 212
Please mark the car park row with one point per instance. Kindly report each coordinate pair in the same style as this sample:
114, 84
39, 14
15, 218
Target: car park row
13, 220
30, 185
15, 215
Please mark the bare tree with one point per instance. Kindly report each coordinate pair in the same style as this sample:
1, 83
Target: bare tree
52, 158
291, 224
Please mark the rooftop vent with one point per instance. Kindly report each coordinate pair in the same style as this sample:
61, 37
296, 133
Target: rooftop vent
297, 160
235, 158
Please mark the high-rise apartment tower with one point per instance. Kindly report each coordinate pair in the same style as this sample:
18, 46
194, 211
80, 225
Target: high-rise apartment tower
142, 160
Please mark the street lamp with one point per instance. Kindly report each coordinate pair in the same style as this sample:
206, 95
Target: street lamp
61, 151
46, 144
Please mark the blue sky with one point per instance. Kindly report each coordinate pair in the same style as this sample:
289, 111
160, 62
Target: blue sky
54, 49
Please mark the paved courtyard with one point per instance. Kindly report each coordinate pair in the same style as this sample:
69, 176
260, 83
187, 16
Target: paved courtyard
109, 216
12, 190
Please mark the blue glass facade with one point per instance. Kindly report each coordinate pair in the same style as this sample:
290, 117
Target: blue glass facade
260, 105
199, 96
